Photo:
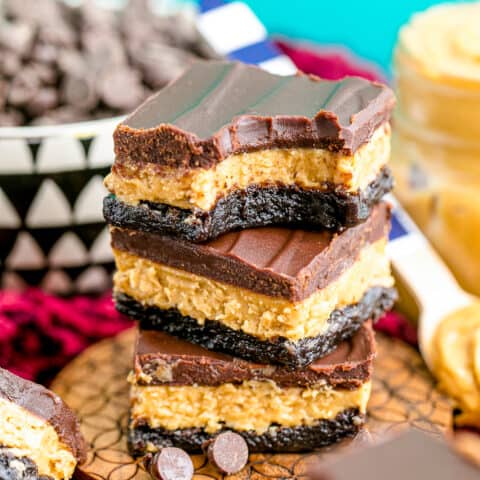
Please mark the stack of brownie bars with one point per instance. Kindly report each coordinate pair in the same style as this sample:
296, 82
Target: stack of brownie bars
249, 237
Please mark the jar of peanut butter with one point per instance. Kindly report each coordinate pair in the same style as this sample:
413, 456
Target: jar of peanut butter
436, 141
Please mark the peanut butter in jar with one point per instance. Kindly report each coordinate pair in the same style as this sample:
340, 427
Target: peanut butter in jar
436, 141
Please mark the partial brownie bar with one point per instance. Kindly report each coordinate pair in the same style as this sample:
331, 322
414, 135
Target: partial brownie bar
229, 146
183, 394
270, 295
40, 437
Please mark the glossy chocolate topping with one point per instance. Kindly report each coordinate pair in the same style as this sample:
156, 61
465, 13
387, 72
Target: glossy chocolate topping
273, 261
44, 404
164, 359
216, 109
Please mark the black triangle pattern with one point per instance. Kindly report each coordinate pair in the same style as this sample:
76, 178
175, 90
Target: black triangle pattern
21, 190
34, 146
46, 237
7, 241
88, 233
86, 143
36, 276
72, 183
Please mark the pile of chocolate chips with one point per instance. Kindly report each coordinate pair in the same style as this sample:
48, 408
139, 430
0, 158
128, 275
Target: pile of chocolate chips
60, 64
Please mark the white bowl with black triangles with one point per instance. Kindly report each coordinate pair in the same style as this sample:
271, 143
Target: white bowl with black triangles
52, 232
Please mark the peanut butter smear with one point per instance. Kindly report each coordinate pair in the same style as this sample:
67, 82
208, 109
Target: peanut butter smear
456, 361
445, 41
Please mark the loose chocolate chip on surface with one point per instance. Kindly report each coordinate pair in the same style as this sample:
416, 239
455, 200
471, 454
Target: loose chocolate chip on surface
228, 452
169, 464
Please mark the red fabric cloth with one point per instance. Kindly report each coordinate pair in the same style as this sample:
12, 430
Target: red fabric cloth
328, 64
40, 333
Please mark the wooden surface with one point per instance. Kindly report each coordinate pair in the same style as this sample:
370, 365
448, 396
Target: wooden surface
95, 386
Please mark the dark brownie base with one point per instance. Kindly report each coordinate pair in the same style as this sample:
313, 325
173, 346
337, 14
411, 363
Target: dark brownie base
215, 336
256, 206
18, 468
276, 439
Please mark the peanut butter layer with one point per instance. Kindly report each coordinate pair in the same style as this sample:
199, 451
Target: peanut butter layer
250, 406
277, 262
26, 435
262, 316
307, 168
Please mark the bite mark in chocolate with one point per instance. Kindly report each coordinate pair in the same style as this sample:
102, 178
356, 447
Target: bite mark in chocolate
216, 109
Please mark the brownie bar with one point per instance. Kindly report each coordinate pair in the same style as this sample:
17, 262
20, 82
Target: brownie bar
254, 206
231, 146
13, 467
181, 392
277, 262
217, 337
141, 438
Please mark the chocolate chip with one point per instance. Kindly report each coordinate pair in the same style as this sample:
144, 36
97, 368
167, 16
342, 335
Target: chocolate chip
228, 452
18, 37
161, 64
46, 99
10, 63
46, 74
11, 118
121, 88
64, 114
3, 94
23, 87
79, 91
69, 63
45, 53
169, 464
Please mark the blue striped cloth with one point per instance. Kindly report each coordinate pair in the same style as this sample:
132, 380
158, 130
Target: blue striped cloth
234, 31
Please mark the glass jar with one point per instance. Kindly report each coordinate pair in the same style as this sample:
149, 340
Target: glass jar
436, 141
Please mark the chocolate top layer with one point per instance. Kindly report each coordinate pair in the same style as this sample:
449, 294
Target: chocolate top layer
216, 109
163, 359
44, 404
272, 261
412, 455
